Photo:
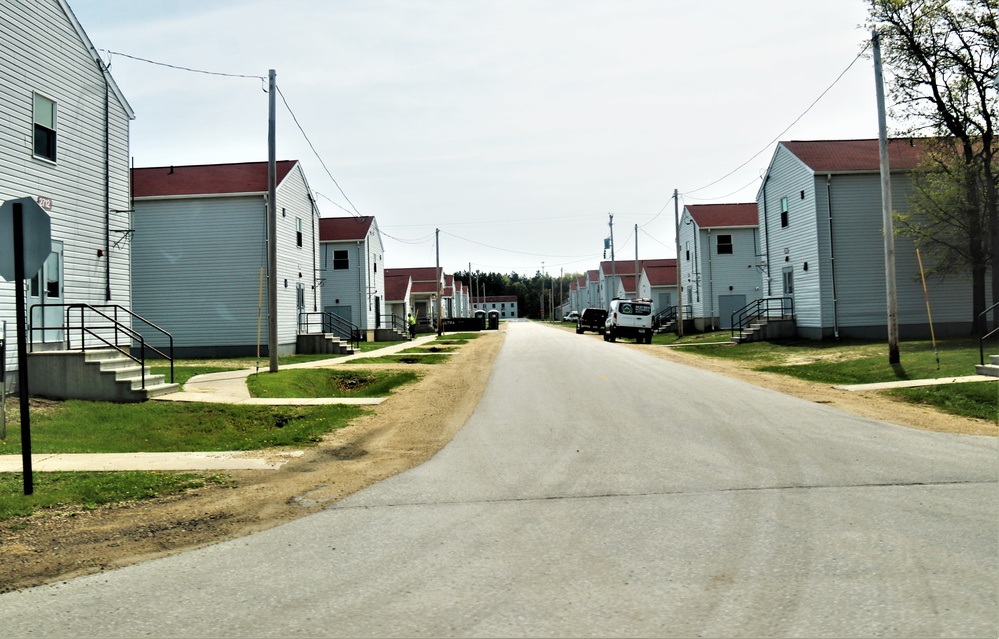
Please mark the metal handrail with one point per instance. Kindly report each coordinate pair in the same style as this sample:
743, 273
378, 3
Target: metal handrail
330, 323
982, 335
87, 327
396, 322
669, 314
763, 308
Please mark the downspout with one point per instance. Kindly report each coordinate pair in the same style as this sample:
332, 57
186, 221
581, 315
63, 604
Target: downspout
360, 286
832, 255
315, 252
766, 233
107, 184
711, 285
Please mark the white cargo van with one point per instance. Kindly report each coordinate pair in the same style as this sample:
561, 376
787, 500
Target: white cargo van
629, 318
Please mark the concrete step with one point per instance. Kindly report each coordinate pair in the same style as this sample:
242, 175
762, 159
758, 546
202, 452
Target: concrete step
102, 375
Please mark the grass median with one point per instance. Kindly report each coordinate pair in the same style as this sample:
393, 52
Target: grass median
847, 362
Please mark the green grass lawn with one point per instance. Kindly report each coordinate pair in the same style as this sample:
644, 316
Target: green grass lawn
866, 362
325, 382
90, 490
409, 358
979, 400
77, 426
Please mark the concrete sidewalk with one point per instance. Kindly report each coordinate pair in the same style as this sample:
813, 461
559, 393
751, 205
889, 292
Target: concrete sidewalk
229, 387
914, 383
226, 388
175, 461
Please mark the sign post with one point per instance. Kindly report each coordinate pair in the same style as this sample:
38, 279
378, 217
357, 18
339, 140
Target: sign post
30, 233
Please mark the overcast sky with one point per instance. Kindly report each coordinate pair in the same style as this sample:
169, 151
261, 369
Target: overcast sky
514, 127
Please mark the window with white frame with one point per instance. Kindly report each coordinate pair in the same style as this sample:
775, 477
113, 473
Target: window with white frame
44, 116
724, 245
341, 261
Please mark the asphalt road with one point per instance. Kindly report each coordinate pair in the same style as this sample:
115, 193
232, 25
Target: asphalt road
598, 491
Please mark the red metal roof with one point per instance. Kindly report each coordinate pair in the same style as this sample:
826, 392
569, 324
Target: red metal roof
339, 229
396, 287
424, 287
661, 275
720, 215
205, 179
419, 274
857, 155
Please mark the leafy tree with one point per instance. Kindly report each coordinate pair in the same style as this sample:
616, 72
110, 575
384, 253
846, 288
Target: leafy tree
944, 59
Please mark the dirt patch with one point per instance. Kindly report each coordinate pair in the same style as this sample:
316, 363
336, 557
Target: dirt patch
402, 432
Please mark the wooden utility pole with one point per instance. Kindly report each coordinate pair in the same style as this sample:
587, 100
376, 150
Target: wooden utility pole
679, 280
272, 312
889, 231
636, 262
610, 293
438, 276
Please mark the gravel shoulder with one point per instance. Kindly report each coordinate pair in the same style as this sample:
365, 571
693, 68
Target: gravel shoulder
402, 432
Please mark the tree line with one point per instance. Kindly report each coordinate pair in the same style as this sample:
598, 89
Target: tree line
529, 290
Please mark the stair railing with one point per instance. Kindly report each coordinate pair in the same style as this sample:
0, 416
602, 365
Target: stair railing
396, 323
763, 308
330, 323
99, 322
982, 335
668, 314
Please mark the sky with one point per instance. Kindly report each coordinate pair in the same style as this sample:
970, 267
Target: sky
515, 128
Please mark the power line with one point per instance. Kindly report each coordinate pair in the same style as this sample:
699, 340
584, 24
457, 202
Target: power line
816, 101
180, 68
318, 157
497, 248
283, 99
720, 197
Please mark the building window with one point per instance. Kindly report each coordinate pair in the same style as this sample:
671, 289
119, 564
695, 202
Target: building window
783, 212
45, 128
340, 261
298, 231
724, 245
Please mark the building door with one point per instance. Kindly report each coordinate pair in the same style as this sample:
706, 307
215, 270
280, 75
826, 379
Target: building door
340, 326
665, 301
728, 304
787, 279
45, 298
378, 312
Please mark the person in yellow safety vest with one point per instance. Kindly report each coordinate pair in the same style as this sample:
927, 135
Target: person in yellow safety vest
412, 326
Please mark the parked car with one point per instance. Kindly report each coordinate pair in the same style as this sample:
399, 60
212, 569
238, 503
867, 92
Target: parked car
571, 316
629, 318
591, 319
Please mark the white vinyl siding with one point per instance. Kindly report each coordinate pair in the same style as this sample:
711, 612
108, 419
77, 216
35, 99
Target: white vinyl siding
198, 266
359, 284
796, 244
181, 284
44, 54
851, 257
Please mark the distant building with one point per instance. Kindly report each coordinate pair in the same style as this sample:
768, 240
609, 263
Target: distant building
352, 270
718, 245
506, 305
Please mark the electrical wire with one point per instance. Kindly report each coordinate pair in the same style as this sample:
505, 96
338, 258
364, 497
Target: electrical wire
816, 101
179, 68
334, 203
497, 248
318, 157
721, 197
